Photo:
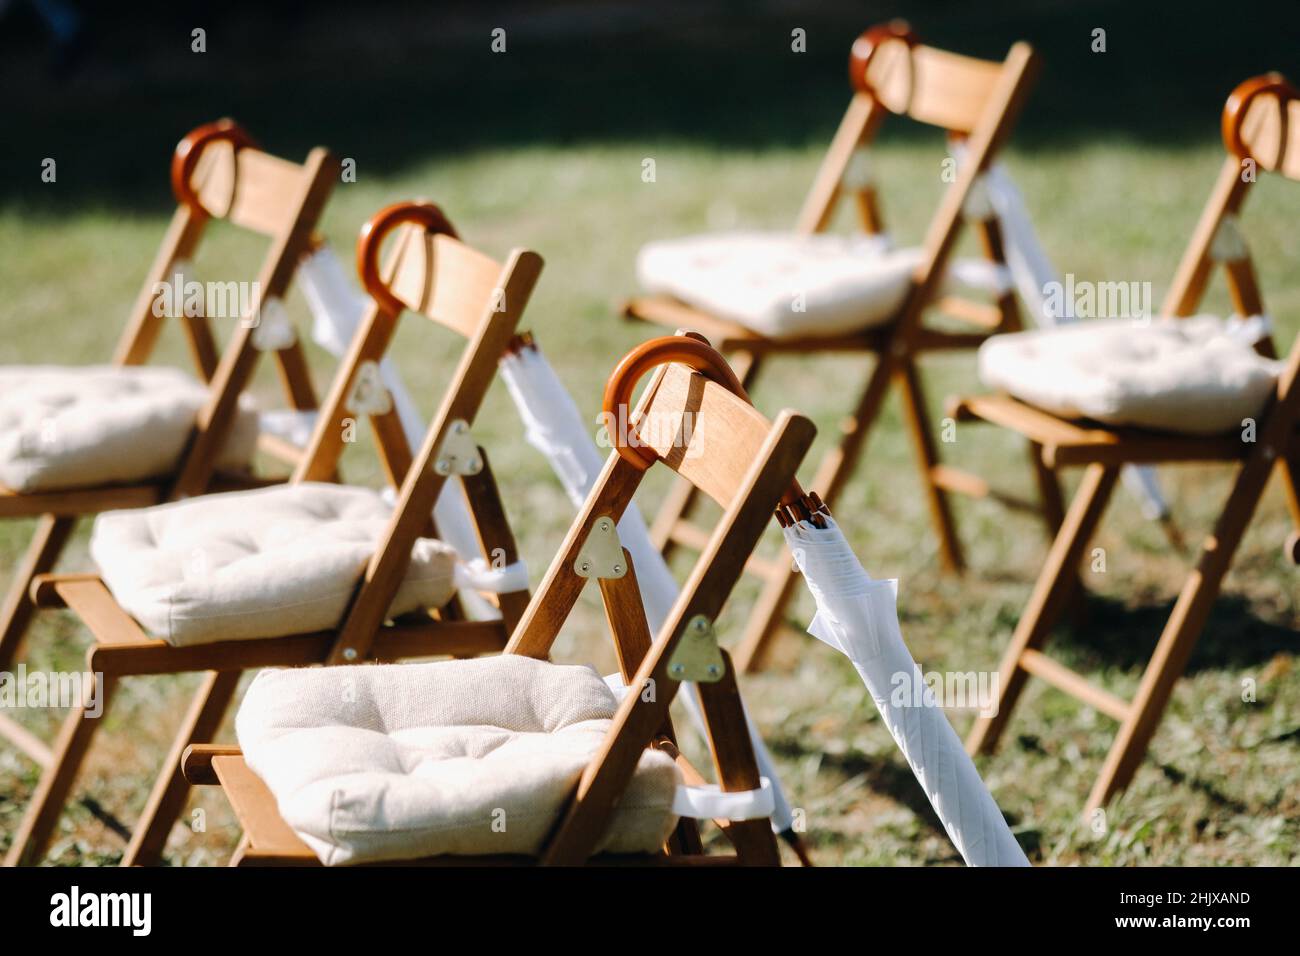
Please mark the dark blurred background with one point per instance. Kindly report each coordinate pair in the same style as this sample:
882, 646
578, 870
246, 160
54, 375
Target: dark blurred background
112, 86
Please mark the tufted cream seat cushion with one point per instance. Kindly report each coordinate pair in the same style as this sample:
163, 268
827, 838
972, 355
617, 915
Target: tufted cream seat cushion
783, 285
1185, 375
256, 564
399, 761
68, 427
846, 283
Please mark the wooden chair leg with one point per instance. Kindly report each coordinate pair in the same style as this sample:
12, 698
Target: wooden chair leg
1289, 467
171, 791
724, 717
1050, 498
1049, 595
1181, 631
48, 542
766, 620
917, 425
56, 782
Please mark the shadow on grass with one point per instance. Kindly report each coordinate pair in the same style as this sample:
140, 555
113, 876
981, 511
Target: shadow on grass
393, 86
1116, 635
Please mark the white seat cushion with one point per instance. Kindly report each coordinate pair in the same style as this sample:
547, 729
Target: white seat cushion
1180, 375
69, 427
400, 761
256, 564
780, 284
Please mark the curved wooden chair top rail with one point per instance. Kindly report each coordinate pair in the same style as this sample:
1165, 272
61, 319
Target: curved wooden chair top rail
889, 65
1261, 121
219, 171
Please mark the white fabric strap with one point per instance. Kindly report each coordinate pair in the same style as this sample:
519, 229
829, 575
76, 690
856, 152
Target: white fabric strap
984, 274
274, 331
290, 424
1228, 244
710, 802
1251, 329
477, 575
978, 206
858, 174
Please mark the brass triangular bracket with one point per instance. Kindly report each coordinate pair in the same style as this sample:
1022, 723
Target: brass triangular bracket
697, 657
601, 555
458, 455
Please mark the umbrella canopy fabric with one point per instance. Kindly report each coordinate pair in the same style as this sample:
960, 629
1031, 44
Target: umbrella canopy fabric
857, 616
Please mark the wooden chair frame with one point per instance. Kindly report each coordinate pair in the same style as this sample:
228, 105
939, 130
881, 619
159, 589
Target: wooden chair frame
1261, 127
257, 192
975, 100
432, 273
734, 455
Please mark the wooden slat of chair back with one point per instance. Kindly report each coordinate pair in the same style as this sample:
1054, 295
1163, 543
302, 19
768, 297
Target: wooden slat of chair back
219, 171
703, 431
930, 85
432, 272
1261, 121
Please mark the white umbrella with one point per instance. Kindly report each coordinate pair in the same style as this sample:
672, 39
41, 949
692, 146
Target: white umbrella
857, 616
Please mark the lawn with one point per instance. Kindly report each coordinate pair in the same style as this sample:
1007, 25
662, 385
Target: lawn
1221, 784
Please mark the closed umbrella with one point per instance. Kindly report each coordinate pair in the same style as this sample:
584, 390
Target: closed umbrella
857, 616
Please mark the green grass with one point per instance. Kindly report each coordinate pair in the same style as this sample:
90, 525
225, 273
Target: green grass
1221, 782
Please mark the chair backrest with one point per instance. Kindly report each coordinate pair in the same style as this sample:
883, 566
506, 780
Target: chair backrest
218, 172
1261, 122
432, 273
889, 65
695, 419
1260, 127
890, 71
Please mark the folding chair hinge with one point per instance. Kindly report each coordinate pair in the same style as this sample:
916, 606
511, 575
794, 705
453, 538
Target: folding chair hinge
458, 455
697, 657
368, 396
601, 555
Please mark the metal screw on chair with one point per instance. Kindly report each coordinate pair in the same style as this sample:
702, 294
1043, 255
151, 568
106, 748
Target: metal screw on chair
585, 567
618, 569
473, 465
678, 670
443, 467
349, 653
459, 427
701, 625
714, 671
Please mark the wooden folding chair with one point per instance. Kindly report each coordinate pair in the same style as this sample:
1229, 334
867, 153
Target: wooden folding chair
1261, 128
431, 273
974, 100
707, 432
217, 173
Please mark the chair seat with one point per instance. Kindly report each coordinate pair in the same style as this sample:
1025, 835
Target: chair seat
782, 285
1187, 376
470, 757
256, 564
67, 427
